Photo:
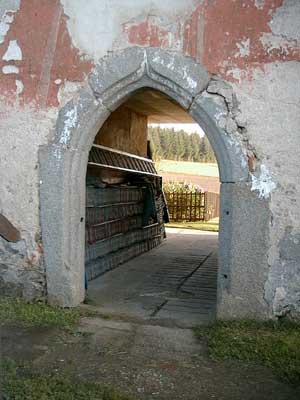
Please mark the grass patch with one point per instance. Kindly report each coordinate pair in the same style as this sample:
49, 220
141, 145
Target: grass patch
39, 314
201, 226
273, 344
22, 384
188, 167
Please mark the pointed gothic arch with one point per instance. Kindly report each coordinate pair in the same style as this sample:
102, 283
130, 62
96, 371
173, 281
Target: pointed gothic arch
63, 166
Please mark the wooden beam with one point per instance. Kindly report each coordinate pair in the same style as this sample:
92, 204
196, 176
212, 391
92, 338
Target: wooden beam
8, 231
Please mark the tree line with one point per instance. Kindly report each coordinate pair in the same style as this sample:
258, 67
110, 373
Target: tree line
166, 143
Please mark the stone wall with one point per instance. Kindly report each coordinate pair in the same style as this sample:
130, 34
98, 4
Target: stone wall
253, 45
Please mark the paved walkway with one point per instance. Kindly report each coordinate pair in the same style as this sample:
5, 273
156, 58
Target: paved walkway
174, 284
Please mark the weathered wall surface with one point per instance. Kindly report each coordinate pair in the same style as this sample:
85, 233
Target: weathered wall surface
271, 108
23, 130
253, 44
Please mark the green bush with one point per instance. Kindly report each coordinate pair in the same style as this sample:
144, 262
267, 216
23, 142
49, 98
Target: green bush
181, 187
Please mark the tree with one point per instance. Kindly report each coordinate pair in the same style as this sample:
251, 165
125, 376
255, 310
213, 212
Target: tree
168, 144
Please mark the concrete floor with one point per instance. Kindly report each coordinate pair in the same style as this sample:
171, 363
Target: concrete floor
173, 284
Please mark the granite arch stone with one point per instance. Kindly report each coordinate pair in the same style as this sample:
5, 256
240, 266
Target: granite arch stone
63, 163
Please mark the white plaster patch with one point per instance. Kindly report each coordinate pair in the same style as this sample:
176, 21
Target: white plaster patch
13, 52
259, 4
144, 62
20, 86
69, 123
271, 42
286, 20
191, 82
7, 7
10, 69
57, 81
244, 48
103, 21
5, 22
264, 183
67, 91
285, 28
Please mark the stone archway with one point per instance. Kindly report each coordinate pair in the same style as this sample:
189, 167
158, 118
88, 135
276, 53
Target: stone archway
245, 217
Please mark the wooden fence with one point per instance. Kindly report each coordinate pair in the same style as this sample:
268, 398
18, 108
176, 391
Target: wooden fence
191, 207
212, 205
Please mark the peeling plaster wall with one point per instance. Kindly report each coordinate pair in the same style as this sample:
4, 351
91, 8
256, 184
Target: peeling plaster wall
271, 106
40, 50
254, 44
115, 23
23, 130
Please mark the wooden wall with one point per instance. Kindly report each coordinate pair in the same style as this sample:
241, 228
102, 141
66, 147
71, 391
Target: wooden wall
125, 130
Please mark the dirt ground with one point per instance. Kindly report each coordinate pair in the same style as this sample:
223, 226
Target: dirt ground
145, 354
146, 361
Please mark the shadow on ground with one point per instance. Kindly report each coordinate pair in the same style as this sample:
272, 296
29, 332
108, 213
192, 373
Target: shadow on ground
143, 344
146, 361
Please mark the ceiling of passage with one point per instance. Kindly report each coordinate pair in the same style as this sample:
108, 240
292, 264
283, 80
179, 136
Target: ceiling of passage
158, 107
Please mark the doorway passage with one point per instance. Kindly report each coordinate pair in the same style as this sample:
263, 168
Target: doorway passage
126, 212
245, 217
174, 284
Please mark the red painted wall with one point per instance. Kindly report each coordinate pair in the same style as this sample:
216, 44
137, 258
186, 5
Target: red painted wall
47, 53
212, 35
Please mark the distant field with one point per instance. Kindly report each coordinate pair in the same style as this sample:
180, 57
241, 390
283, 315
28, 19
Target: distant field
186, 167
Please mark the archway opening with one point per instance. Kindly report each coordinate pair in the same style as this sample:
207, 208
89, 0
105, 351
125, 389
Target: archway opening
140, 260
244, 230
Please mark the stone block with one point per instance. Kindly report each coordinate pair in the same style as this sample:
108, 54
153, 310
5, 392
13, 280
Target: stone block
129, 64
206, 110
62, 219
80, 115
183, 72
243, 259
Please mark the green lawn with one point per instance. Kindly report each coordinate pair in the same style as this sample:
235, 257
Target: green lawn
39, 314
23, 383
273, 344
212, 225
187, 167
